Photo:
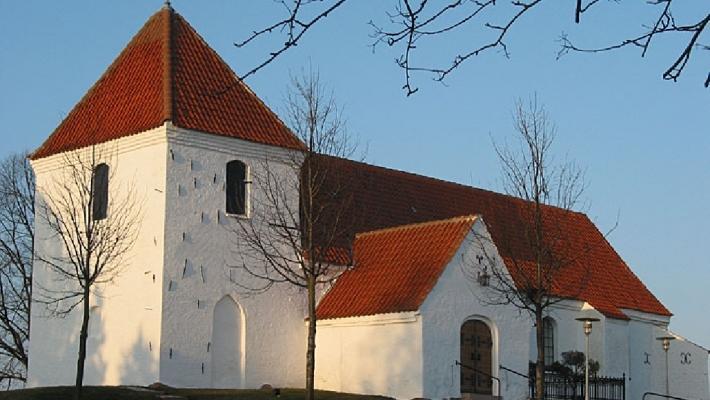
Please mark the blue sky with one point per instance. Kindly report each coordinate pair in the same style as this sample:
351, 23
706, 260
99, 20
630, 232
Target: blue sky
644, 142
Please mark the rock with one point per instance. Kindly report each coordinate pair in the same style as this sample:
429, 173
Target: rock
159, 387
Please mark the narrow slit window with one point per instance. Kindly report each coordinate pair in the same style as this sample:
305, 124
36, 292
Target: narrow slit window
548, 326
236, 190
99, 192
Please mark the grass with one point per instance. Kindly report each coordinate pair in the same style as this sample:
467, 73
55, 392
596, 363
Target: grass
125, 393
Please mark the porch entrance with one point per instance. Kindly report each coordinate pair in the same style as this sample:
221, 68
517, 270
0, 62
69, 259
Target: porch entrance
476, 358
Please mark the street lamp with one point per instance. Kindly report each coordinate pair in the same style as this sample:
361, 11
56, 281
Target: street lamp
666, 342
587, 324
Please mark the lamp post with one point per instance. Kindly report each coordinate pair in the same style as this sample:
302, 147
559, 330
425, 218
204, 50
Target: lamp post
587, 324
666, 342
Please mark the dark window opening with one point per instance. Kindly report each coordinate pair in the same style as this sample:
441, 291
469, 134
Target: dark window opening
99, 192
236, 188
548, 340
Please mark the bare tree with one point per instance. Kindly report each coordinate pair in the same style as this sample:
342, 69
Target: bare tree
95, 228
17, 212
536, 257
414, 24
297, 233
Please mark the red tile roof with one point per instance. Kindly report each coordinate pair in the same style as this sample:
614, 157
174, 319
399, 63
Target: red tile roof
396, 268
167, 73
592, 271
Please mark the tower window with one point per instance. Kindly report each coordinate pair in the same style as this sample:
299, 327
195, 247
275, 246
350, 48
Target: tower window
236, 189
99, 192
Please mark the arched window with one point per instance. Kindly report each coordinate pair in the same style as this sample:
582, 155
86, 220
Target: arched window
237, 188
548, 339
99, 192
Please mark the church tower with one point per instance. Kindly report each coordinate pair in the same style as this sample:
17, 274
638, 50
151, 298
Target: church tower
173, 121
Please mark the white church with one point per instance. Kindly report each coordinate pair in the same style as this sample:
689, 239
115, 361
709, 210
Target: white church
405, 320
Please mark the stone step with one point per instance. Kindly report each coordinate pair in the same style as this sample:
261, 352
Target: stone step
476, 396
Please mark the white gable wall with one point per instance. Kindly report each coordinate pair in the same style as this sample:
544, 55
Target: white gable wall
125, 318
687, 362
453, 301
272, 329
688, 369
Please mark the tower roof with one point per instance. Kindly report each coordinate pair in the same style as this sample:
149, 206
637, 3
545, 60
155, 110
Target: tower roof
167, 72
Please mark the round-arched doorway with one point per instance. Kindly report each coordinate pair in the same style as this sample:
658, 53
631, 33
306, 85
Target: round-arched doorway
476, 358
227, 334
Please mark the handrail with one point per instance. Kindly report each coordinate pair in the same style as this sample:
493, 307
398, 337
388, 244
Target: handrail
661, 395
514, 371
483, 373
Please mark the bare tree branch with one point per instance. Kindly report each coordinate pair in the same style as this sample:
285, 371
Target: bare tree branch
415, 24
17, 191
665, 24
294, 25
527, 277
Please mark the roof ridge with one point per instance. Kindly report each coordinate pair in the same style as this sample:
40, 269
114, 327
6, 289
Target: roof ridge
470, 217
414, 174
168, 103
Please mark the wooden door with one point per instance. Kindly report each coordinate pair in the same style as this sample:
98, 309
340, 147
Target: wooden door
476, 358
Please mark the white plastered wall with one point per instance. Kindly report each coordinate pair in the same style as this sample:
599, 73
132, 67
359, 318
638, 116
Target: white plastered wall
198, 270
687, 369
124, 332
687, 362
377, 355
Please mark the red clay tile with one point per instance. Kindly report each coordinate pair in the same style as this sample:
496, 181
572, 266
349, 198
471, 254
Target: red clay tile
395, 268
590, 268
167, 73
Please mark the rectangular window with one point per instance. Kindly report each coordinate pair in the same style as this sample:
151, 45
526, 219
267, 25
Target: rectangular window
99, 192
236, 189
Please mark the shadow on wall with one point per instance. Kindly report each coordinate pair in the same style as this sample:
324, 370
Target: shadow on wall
137, 366
95, 368
103, 365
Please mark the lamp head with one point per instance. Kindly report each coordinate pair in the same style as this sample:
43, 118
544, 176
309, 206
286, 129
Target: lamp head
587, 324
666, 341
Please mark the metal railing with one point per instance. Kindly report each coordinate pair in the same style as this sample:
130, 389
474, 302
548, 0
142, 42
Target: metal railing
661, 395
520, 374
566, 387
478, 371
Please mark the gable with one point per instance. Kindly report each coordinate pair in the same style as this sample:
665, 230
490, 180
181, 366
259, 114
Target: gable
167, 73
394, 269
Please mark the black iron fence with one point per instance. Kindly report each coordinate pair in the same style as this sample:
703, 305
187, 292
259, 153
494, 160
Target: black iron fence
571, 387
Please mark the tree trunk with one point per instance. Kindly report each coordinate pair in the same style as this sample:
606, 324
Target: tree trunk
540, 365
82, 346
311, 351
